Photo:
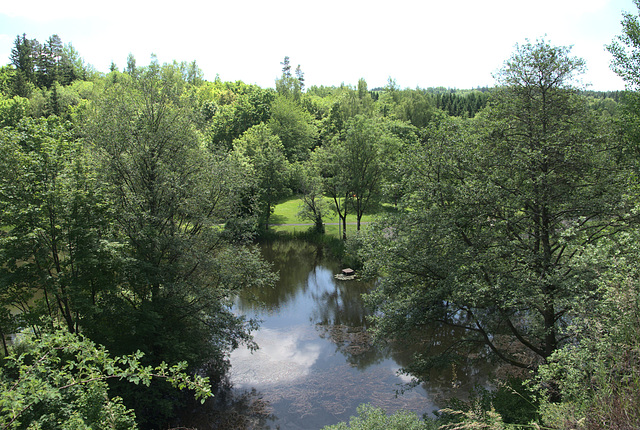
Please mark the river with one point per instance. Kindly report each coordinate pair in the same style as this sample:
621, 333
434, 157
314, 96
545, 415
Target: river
316, 361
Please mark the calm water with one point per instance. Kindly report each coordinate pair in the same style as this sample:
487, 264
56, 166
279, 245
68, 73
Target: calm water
316, 363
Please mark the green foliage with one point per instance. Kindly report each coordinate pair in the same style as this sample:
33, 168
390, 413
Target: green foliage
371, 418
294, 126
462, 104
6, 77
238, 107
135, 235
626, 62
173, 198
326, 161
347, 103
364, 157
288, 86
496, 214
56, 248
598, 375
43, 65
313, 206
260, 149
60, 381
514, 401
353, 169
12, 110
474, 418
625, 51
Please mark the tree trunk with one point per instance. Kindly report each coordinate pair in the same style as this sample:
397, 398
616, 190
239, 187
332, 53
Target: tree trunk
319, 224
344, 220
267, 216
4, 343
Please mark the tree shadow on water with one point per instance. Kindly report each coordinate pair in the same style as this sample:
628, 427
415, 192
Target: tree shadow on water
230, 409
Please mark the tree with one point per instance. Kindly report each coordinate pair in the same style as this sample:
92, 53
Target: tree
286, 67
326, 160
395, 175
172, 198
371, 418
239, 107
287, 85
313, 205
598, 374
300, 77
13, 110
498, 214
56, 244
71, 66
42, 65
131, 68
22, 56
415, 107
353, 170
626, 61
48, 57
362, 89
264, 152
363, 162
22, 59
294, 126
347, 104
194, 75
625, 50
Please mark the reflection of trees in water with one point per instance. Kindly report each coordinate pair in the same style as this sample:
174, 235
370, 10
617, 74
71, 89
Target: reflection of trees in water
230, 409
443, 379
303, 270
293, 260
440, 355
339, 303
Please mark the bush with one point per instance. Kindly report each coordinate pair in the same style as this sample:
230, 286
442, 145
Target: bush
60, 381
372, 418
514, 401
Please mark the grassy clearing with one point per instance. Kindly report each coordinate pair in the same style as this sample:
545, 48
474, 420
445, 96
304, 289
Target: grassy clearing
286, 212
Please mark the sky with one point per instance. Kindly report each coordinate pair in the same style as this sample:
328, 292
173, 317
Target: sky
418, 43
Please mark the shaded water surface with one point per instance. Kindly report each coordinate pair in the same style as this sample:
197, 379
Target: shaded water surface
316, 362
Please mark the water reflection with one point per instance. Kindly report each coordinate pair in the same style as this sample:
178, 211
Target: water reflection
283, 357
307, 290
317, 361
337, 302
294, 261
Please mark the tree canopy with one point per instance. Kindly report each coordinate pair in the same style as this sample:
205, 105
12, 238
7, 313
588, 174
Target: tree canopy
131, 202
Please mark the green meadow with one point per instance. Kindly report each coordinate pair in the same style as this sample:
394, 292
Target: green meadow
285, 217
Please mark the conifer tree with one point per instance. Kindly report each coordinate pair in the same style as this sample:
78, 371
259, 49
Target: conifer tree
300, 77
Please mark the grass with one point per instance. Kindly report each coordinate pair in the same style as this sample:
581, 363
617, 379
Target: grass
286, 212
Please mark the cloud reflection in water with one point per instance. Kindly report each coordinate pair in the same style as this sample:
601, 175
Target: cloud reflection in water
282, 358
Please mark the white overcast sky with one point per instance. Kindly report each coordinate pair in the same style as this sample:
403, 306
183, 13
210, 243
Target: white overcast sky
419, 43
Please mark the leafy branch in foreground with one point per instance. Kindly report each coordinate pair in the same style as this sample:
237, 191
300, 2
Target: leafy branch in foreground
60, 381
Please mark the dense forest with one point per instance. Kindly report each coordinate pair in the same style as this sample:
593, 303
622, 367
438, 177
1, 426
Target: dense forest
131, 201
